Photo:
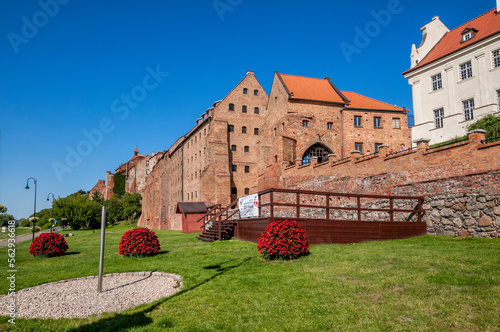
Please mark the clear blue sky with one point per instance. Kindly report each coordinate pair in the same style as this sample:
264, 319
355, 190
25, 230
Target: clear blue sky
65, 72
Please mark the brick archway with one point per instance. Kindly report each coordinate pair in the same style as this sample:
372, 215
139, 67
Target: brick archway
316, 150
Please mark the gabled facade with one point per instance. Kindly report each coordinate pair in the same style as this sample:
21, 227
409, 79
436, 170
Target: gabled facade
310, 118
455, 76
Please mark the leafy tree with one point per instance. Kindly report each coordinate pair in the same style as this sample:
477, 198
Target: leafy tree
132, 206
114, 209
97, 197
79, 211
490, 123
25, 222
119, 186
4, 219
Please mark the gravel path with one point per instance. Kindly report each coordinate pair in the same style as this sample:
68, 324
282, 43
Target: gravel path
79, 297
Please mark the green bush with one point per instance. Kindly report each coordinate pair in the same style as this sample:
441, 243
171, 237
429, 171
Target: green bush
46, 226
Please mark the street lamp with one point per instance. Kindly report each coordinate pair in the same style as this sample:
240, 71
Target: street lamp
34, 209
52, 214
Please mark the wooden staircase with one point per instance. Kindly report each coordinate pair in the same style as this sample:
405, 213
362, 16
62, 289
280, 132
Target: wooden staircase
218, 224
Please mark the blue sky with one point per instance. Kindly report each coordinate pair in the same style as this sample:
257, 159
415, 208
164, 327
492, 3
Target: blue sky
68, 65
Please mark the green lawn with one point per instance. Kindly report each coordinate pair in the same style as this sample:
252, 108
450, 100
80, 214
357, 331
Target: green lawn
428, 283
19, 231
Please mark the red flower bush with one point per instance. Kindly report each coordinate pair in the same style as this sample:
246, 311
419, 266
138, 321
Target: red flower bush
283, 239
139, 242
50, 244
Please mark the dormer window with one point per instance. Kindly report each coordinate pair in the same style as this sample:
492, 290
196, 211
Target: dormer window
468, 34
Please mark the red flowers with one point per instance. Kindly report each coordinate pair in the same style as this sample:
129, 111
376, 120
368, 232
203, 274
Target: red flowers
50, 244
283, 239
138, 242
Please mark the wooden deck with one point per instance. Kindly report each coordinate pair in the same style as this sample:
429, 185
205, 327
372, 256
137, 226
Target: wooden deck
327, 217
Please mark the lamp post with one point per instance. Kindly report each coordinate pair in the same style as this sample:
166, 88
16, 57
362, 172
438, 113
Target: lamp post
52, 214
34, 209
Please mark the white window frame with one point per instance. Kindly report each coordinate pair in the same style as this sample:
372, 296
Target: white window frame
468, 108
496, 58
438, 117
467, 36
437, 82
466, 70
396, 123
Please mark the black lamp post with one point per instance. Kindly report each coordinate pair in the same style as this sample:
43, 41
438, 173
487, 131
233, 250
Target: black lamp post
52, 214
34, 209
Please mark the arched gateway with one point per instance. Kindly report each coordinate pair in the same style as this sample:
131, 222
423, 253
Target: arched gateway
316, 150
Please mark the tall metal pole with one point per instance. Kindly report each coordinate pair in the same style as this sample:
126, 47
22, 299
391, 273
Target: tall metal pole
34, 209
101, 257
52, 214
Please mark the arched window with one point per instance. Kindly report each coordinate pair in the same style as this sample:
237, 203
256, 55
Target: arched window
244, 109
245, 91
256, 131
247, 191
316, 150
231, 107
243, 130
256, 110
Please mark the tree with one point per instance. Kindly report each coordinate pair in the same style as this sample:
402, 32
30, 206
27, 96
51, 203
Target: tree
132, 206
97, 197
490, 123
79, 210
4, 217
114, 209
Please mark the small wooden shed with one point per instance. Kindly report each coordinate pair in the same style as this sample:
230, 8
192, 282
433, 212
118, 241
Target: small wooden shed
191, 212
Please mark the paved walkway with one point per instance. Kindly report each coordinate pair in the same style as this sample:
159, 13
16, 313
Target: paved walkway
26, 237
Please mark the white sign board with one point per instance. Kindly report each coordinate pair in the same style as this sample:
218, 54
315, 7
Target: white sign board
249, 206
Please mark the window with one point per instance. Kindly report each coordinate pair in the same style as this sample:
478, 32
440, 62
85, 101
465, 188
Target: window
247, 169
234, 168
230, 128
468, 106
329, 125
377, 122
396, 123
247, 149
467, 36
147, 163
496, 58
243, 130
498, 98
305, 123
234, 191
256, 110
233, 147
256, 131
465, 70
147, 171
231, 107
255, 92
377, 147
358, 147
438, 118
247, 191
245, 91
244, 109
437, 83
357, 121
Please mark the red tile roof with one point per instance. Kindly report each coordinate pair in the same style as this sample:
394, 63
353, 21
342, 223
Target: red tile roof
311, 88
486, 25
360, 101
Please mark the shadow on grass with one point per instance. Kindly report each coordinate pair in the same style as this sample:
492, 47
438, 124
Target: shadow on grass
127, 321
71, 253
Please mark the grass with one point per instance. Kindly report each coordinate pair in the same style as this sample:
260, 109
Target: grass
19, 231
428, 283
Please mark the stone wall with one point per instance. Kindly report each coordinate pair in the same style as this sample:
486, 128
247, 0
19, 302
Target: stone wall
467, 215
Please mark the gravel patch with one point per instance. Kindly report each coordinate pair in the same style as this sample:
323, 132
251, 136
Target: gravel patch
78, 298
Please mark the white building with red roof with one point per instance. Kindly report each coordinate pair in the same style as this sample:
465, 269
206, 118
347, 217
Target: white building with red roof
455, 76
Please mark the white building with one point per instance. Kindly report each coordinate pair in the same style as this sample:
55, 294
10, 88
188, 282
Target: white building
455, 76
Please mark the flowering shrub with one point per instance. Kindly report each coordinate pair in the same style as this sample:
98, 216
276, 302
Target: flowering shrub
138, 242
283, 239
50, 244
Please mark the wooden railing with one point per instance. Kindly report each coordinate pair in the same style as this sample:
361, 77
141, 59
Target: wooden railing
298, 205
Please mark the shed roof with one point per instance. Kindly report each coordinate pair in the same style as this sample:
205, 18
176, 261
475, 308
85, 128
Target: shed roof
191, 207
